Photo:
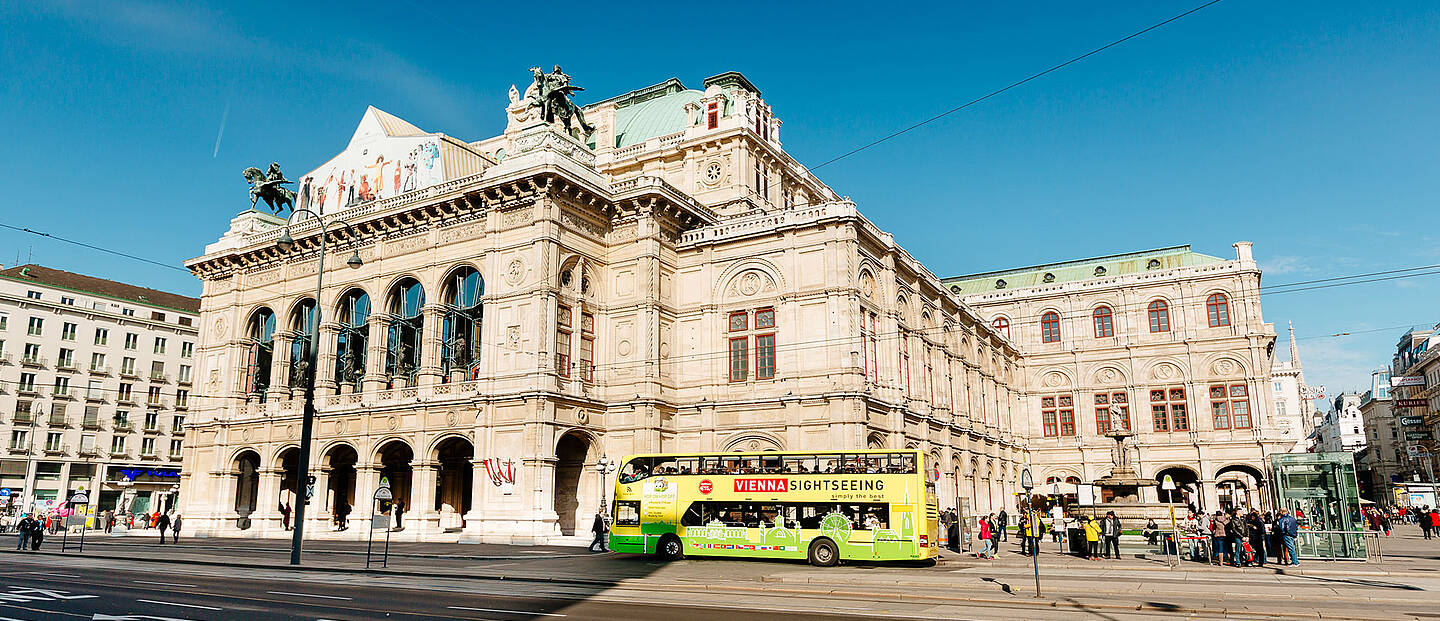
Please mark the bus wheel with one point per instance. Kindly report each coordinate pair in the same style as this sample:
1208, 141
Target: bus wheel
670, 548
823, 553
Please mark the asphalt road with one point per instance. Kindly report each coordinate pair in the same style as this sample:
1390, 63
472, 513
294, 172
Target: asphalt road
36, 589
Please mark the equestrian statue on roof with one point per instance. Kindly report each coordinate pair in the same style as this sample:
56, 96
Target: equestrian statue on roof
552, 95
271, 187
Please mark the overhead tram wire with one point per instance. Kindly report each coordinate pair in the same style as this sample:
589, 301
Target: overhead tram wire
93, 247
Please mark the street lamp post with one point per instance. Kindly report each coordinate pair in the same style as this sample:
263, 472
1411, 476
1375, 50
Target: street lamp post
605, 467
27, 500
1028, 482
312, 359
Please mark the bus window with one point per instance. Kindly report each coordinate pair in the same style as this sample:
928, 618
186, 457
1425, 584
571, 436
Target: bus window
798, 464
770, 464
827, 464
627, 513
907, 463
635, 469
852, 464
698, 514
688, 465
663, 465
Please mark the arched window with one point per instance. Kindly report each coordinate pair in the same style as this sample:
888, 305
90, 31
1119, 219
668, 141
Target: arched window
301, 320
353, 338
1217, 307
1159, 316
463, 290
1050, 327
261, 333
1001, 325
402, 356
1104, 322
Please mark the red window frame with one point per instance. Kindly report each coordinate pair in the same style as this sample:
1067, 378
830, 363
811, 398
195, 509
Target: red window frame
744, 317
712, 115
739, 358
869, 341
563, 334
1050, 327
1001, 325
1112, 410
764, 318
1217, 309
1104, 322
1220, 406
905, 361
1048, 417
587, 347
765, 356
1159, 316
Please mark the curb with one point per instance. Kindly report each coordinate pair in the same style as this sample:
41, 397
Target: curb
460, 557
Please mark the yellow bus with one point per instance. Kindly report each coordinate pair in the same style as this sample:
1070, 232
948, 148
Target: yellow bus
823, 506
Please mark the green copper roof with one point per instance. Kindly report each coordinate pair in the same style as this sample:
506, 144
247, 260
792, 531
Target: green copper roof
1082, 269
652, 118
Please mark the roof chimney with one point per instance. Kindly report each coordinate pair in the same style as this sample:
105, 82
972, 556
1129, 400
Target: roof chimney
1242, 251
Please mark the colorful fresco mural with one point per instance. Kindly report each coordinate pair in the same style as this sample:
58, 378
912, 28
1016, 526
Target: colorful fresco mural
363, 173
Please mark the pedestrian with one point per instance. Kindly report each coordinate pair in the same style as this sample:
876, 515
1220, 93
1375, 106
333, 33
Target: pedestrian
1289, 529
1220, 536
285, 515
342, 515
995, 533
1110, 529
37, 535
599, 528
163, 523
1092, 538
175, 529
1152, 532
24, 527
1241, 553
1003, 521
985, 533
109, 521
1023, 524
399, 509
1057, 525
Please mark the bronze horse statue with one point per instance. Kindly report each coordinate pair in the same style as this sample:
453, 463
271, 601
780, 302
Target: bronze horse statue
270, 187
553, 96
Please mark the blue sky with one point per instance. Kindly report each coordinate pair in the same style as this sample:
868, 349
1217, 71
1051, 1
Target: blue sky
1308, 128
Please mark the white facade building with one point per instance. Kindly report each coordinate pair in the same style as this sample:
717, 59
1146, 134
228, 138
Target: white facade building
95, 380
1343, 426
1294, 410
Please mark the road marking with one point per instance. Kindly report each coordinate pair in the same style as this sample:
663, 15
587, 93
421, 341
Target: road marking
152, 601
513, 612
172, 584
309, 595
47, 573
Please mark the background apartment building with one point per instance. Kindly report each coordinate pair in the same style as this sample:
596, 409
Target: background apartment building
95, 381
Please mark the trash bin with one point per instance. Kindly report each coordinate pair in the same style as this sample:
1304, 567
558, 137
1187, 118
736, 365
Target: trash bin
1075, 541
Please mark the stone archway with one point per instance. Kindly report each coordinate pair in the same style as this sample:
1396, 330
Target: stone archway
289, 462
1187, 486
397, 467
575, 493
247, 486
1240, 486
339, 466
454, 484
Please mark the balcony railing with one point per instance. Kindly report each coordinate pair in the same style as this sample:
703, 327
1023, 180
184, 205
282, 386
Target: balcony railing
129, 374
148, 454
90, 423
175, 456
152, 428
23, 418
66, 365
59, 420
37, 362
19, 449
4, 358
125, 399
57, 449
123, 425
89, 452
99, 370
183, 381
95, 396
159, 378
62, 393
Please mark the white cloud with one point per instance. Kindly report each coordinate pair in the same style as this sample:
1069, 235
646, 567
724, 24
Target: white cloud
1339, 364
1284, 265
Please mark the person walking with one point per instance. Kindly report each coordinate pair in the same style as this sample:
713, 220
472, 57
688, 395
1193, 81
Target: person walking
1240, 552
1289, 529
37, 535
599, 527
1110, 529
285, 515
162, 523
1003, 522
985, 532
24, 527
342, 515
175, 529
1256, 524
1023, 524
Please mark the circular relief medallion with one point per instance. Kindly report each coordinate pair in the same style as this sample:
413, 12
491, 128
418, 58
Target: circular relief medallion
623, 349
515, 271
450, 419
867, 285
1164, 371
245, 434
713, 173
393, 423
217, 329
750, 284
339, 427
1108, 375
582, 416
1224, 367
1052, 379
664, 350
290, 431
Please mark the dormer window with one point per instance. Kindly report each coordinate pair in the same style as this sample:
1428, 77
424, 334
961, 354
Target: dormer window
712, 115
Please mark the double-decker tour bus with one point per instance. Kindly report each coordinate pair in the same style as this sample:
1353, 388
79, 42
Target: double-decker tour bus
824, 506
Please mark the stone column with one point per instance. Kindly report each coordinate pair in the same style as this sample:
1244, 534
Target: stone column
325, 383
430, 351
424, 478
367, 480
267, 504
479, 481
375, 345
280, 367
318, 513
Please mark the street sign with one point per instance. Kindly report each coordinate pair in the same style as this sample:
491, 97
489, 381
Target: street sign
1412, 421
309, 492
310, 480
383, 493
1411, 403
1418, 435
1408, 380
80, 498
4, 492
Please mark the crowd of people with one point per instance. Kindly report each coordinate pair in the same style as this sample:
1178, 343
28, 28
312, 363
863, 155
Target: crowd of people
32, 528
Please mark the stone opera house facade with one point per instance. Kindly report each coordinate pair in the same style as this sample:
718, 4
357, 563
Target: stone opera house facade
672, 281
